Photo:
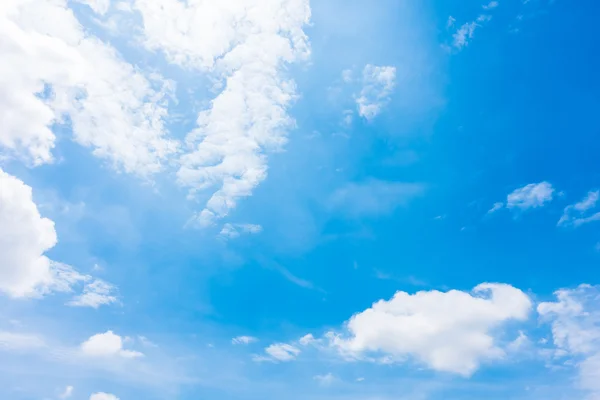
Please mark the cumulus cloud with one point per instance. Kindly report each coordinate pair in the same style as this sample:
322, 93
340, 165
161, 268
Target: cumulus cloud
373, 197
577, 214
232, 231
54, 72
529, 196
378, 83
103, 396
244, 340
246, 46
453, 331
575, 321
25, 237
107, 344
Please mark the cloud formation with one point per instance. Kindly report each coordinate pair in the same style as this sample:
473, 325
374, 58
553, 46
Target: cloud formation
451, 331
575, 321
107, 344
246, 46
54, 73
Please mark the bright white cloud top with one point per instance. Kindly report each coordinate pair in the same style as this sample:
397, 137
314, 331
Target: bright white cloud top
107, 344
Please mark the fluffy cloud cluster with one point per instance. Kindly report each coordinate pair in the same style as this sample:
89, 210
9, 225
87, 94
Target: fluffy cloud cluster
107, 344
575, 321
54, 72
378, 83
246, 45
25, 237
452, 331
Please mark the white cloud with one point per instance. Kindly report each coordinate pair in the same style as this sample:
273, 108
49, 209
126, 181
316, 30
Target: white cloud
96, 293
325, 380
103, 396
378, 83
530, 196
246, 45
107, 344
67, 393
575, 321
53, 71
232, 231
575, 214
452, 331
244, 340
279, 352
373, 197
25, 237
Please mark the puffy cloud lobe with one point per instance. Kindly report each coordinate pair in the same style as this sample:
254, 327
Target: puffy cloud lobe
107, 344
378, 84
575, 321
246, 45
451, 331
25, 236
53, 71
530, 196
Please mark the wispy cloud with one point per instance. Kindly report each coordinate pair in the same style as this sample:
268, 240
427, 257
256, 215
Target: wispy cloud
577, 214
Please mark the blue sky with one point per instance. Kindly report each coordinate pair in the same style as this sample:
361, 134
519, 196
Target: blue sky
291, 199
